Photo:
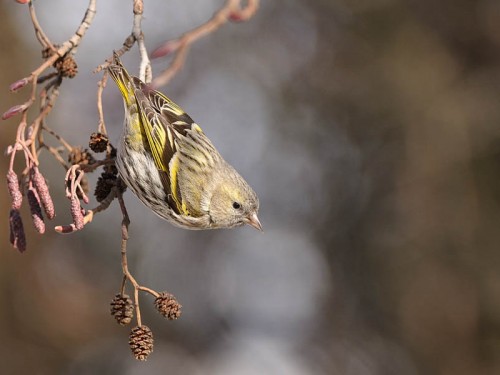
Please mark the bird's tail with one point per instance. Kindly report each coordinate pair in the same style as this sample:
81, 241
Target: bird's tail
122, 79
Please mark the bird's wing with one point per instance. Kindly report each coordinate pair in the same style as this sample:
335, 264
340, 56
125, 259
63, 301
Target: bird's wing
164, 123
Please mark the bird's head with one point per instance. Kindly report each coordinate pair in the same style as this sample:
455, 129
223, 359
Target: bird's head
234, 202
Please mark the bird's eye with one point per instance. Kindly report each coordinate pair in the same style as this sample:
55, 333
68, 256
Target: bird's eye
236, 205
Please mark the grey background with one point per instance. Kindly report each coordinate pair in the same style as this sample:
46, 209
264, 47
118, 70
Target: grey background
370, 131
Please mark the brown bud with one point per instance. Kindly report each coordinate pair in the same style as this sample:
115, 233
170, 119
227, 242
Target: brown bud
236, 17
167, 305
243, 14
122, 309
76, 213
138, 7
43, 192
98, 142
12, 111
18, 84
141, 342
14, 191
17, 235
166, 48
36, 210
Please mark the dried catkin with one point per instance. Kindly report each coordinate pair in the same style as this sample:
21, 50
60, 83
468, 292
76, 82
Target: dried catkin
43, 192
36, 210
17, 235
14, 191
76, 213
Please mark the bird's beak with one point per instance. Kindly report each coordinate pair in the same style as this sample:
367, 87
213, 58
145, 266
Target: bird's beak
253, 221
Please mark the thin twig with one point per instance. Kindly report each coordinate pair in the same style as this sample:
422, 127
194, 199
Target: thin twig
101, 127
232, 10
40, 34
60, 139
46, 104
154, 293
47, 100
85, 24
127, 45
89, 215
122, 287
174, 68
55, 153
126, 272
88, 168
145, 73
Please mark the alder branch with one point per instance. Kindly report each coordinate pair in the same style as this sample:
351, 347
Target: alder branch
145, 72
30, 141
231, 11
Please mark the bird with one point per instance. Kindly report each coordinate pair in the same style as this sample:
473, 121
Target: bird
169, 163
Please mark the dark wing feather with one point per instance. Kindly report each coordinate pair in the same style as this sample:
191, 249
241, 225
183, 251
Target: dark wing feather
163, 122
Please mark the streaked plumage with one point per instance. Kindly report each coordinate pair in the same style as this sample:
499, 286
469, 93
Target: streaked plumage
172, 167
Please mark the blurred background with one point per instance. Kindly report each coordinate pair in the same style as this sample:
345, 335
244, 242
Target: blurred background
370, 131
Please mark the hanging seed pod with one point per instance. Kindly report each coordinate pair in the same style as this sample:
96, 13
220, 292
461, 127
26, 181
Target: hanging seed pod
76, 213
36, 210
43, 192
167, 305
17, 235
105, 183
122, 309
98, 142
141, 342
14, 191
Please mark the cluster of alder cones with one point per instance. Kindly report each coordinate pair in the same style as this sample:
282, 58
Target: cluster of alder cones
141, 337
